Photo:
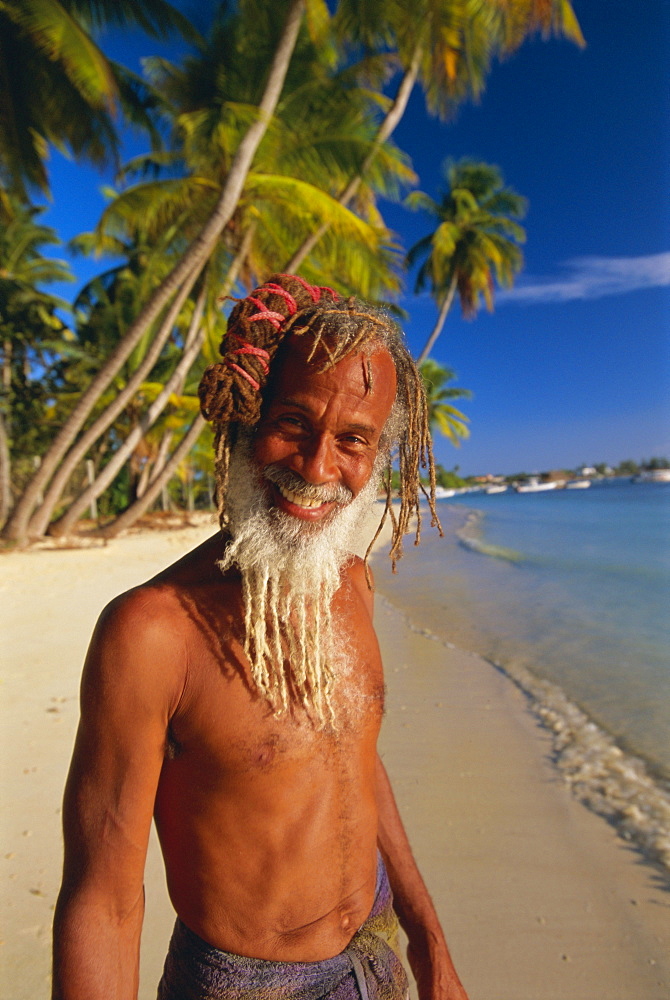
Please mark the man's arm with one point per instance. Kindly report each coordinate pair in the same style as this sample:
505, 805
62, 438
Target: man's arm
130, 686
427, 952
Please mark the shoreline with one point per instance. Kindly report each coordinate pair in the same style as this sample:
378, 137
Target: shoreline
616, 782
540, 899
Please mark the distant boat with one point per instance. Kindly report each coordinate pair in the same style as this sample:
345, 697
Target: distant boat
441, 493
578, 484
535, 486
652, 476
495, 489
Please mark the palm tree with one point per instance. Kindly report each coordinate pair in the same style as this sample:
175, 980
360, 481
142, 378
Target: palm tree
475, 244
448, 47
442, 415
319, 121
31, 335
104, 309
181, 279
325, 123
59, 88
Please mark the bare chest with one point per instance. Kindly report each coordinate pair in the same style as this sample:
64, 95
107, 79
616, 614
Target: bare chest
227, 729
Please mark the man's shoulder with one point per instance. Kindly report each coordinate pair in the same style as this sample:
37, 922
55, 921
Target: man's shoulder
360, 576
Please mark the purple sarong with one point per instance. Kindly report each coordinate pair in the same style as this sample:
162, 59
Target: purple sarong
368, 968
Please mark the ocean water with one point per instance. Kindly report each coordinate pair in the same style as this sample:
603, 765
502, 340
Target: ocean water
568, 592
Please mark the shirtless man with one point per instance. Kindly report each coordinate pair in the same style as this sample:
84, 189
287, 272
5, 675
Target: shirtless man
237, 697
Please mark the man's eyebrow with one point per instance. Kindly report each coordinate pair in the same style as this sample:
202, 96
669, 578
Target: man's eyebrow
289, 401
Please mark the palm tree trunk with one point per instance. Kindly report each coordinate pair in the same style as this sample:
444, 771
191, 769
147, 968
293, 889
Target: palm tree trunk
39, 522
192, 344
390, 122
131, 514
5, 473
437, 329
161, 458
195, 257
194, 339
145, 475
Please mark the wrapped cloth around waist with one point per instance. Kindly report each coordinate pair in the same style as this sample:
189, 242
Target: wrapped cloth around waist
368, 968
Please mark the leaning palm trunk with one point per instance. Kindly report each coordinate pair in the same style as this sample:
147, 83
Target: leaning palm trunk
386, 128
195, 257
437, 329
158, 473
5, 473
195, 337
161, 458
39, 522
129, 516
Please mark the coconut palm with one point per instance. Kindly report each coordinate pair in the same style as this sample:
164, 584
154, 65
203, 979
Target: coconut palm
320, 121
31, 334
104, 308
323, 127
162, 394
475, 244
447, 47
59, 88
181, 279
442, 415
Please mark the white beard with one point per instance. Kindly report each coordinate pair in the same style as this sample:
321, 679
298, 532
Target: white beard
291, 570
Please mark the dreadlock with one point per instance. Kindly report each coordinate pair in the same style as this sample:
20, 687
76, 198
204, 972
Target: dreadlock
231, 391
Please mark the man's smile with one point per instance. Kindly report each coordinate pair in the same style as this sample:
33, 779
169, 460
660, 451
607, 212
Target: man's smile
292, 494
295, 498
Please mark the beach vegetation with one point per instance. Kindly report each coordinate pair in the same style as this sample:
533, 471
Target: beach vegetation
628, 467
34, 338
475, 245
59, 87
446, 48
442, 414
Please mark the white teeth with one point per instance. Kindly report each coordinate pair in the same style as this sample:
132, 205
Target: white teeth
297, 500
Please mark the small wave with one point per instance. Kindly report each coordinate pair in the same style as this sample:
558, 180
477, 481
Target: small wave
611, 782
470, 536
600, 774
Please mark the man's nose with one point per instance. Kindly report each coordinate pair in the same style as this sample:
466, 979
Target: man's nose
318, 461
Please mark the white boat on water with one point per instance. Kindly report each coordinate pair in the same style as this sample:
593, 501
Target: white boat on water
652, 476
578, 484
535, 486
495, 489
442, 493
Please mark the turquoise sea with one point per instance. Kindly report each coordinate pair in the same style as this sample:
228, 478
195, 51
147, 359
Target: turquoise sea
568, 592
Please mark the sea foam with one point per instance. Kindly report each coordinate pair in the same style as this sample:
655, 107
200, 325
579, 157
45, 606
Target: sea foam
611, 782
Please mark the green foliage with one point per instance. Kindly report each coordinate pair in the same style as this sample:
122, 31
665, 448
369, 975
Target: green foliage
477, 238
323, 130
61, 90
58, 86
449, 478
627, 468
32, 334
442, 415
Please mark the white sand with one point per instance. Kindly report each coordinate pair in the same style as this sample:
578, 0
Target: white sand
539, 898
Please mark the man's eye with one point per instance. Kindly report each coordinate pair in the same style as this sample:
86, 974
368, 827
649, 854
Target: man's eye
292, 422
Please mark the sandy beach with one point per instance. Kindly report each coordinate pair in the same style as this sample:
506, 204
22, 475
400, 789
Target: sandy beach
540, 899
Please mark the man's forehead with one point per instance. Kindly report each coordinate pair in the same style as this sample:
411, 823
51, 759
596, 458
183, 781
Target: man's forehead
365, 372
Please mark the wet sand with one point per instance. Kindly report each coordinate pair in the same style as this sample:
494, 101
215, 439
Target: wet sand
540, 899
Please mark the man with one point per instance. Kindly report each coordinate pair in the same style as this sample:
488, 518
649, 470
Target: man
237, 697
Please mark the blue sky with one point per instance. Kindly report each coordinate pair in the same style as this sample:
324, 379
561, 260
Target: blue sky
574, 363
